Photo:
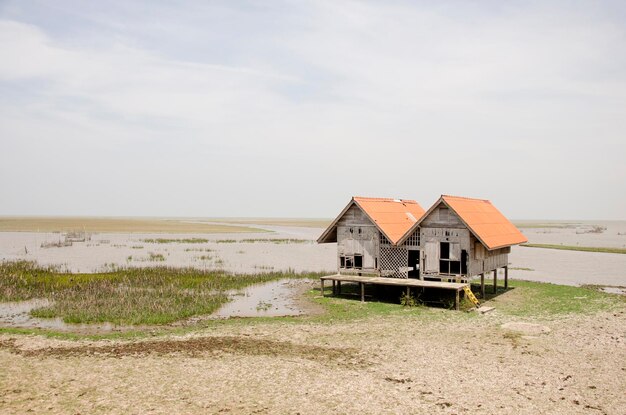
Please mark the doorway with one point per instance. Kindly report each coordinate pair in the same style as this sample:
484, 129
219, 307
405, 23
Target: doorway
414, 264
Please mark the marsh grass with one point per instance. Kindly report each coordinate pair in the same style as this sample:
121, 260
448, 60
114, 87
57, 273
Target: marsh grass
155, 257
265, 240
125, 296
608, 250
176, 241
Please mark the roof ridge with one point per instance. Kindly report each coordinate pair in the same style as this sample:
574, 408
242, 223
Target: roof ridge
384, 199
468, 198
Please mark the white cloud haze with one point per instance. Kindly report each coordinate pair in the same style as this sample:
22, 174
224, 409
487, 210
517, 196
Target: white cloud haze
289, 108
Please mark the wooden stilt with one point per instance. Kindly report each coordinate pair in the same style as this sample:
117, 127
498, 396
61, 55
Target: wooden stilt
495, 280
482, 285
362, 292
408, 292
506, 277
456, 300
322, 286
338, 287
334, 287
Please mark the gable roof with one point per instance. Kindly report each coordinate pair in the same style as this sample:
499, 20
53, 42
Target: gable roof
393, 217
482, 219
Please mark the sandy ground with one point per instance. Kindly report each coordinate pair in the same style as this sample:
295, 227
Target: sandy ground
437, 365
562, 267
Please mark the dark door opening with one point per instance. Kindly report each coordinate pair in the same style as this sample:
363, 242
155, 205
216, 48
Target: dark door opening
414, 263
464, 262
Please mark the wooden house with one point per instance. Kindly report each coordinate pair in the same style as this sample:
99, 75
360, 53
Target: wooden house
460, 238
456, 239
367, 231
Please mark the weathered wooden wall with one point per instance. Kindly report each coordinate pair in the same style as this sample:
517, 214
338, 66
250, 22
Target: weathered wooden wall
483, 260
356, 234
443, 225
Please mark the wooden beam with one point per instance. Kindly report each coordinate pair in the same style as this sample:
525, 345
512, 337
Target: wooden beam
322, 286
338, 287
506, 277
495, 280
334, 287
362, 292
482, 285
456, 300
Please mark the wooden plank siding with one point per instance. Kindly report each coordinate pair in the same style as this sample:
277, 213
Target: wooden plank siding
443, 225
357, 235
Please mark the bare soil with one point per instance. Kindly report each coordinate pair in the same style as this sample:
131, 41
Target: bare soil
444, 363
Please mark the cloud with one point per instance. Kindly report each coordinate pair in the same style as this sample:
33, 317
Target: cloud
296, 106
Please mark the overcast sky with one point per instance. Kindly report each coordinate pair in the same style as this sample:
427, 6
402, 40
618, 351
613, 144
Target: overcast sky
290, 108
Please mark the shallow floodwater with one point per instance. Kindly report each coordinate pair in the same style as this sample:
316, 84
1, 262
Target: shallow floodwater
235, 253
272, 299
17, 315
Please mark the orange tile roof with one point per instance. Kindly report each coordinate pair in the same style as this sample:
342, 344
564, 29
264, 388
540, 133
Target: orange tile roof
485, 221
394, 217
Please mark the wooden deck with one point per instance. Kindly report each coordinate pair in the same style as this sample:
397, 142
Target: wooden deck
337, 279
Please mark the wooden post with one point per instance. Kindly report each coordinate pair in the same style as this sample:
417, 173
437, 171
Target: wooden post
338, 287
322, 284
506, 277
362, 292
495, 280
456, 300
334, 287
482, 285
408, 292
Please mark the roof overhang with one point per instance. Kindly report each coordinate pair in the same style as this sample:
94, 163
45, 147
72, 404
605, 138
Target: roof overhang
440, 201
326, 236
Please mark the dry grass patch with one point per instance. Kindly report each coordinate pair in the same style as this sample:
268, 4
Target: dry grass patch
111, 225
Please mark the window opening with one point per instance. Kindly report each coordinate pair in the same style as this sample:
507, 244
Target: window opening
358, 261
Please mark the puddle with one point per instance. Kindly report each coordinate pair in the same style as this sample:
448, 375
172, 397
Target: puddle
17, 315
271, 299
614, 290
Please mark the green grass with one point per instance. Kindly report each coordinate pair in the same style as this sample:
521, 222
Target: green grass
133, 296
608, 250
536, 299
523, 298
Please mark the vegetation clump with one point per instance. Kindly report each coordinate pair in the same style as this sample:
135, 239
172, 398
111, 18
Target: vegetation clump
173, 241
136, 296
608, 250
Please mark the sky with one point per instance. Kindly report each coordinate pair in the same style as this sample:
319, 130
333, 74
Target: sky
289, 108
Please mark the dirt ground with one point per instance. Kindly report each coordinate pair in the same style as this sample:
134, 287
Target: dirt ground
446, 363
